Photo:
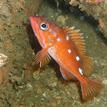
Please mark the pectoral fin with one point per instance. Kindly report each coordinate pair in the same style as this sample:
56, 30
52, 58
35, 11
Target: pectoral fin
42, 57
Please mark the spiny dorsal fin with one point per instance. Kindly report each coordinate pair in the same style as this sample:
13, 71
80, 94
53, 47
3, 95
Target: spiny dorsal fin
42, 57
79, 42
77, 38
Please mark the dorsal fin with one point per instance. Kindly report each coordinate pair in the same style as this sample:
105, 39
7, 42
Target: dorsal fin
78, 39
79, 42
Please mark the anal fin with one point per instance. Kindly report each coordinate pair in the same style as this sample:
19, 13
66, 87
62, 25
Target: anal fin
66, 75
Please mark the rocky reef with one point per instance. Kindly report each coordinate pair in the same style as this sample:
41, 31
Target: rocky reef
95, 8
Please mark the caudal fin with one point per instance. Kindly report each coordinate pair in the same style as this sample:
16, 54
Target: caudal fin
90, 89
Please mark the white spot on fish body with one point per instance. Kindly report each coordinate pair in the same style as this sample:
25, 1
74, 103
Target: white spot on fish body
69, 51
67, 37
80, 71
58, 39
77, 58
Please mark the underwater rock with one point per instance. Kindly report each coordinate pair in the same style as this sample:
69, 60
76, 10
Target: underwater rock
95, 8
3, 70
62, 19
32, 10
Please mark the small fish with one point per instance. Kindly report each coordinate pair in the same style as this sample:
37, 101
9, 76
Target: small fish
67, 47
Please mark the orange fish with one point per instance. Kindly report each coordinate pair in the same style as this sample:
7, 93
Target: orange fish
66, 46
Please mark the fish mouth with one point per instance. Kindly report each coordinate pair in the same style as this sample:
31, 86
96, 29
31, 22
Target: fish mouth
34, 24
34, 20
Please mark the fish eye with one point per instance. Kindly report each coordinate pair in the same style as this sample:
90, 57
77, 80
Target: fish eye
43, 26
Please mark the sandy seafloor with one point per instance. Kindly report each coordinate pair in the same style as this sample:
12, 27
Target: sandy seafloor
22, 84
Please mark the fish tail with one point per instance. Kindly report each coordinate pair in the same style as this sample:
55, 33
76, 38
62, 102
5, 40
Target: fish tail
90, 89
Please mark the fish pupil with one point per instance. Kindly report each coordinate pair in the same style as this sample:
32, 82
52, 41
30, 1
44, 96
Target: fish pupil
43, 26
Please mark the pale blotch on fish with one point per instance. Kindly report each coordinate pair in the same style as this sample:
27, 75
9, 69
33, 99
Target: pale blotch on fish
58, 39
69, 51
80, 71
52, 32
77, 58
67, 37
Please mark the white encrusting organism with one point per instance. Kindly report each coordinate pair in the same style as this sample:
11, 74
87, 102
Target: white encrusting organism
3, 59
